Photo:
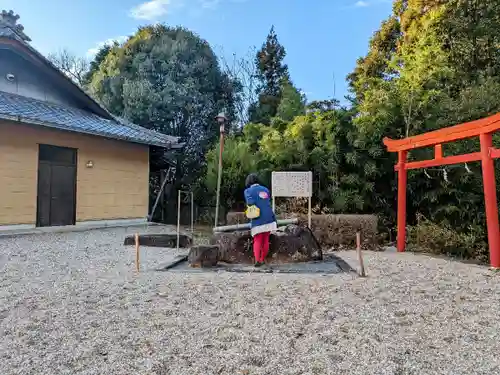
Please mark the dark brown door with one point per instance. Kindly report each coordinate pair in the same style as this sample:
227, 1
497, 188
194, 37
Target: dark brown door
56, 186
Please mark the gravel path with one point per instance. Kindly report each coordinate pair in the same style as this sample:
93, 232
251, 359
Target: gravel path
72, 304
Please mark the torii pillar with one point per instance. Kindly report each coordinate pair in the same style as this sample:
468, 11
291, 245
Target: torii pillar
483, 129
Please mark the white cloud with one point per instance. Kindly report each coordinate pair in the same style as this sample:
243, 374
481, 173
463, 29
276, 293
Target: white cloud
209, 3
151, 10
362, 4
93, 51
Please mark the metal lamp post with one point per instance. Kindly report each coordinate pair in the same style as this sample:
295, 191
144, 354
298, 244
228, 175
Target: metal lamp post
221, 119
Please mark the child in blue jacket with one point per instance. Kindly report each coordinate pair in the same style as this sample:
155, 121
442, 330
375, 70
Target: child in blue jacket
262, 226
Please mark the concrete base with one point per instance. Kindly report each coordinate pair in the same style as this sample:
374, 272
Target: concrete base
26, 229
112, 223
19, 227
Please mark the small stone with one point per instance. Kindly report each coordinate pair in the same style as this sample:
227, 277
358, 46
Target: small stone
203, 256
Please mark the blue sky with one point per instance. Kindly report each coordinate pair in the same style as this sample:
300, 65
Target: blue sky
321, 40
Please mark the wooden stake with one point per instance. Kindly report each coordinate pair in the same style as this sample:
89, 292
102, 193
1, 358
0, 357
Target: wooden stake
309, 213
178, 217
360, 256
192, 216
137, 252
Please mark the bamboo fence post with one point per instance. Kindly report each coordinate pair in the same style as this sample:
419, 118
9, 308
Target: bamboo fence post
360, 255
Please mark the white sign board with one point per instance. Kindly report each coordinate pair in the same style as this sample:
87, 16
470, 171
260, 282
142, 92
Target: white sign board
291, 184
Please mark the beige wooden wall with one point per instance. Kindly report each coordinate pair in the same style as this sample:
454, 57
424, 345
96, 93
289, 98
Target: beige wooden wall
115, 188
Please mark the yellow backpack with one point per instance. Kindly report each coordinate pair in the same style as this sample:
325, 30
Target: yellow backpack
252, 212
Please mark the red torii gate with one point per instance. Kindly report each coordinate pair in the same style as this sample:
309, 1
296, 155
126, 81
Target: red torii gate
484, 129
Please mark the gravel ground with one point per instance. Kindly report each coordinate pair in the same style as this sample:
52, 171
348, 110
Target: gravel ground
72, 304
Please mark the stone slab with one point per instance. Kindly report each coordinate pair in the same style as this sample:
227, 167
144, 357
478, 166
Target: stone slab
173, 262
159, 240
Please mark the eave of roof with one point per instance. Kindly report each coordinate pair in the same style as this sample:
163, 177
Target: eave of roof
36, 112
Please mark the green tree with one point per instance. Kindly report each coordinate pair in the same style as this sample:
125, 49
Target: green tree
376, 64
239, 161
292, 101
270, 72
324, 142
167, 79
99, 57
323, 105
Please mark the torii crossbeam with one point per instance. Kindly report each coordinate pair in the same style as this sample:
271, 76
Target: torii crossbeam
483, 129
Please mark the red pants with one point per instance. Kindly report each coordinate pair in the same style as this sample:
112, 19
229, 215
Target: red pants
261, 246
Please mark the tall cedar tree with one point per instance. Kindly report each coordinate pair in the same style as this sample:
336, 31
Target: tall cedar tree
271, 71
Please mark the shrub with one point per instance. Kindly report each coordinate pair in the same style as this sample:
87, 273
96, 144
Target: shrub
427, 236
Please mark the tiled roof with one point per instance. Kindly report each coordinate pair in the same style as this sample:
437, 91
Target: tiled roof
8, 33
37, 112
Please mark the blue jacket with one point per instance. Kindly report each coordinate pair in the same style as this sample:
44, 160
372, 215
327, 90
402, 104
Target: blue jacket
261, 197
